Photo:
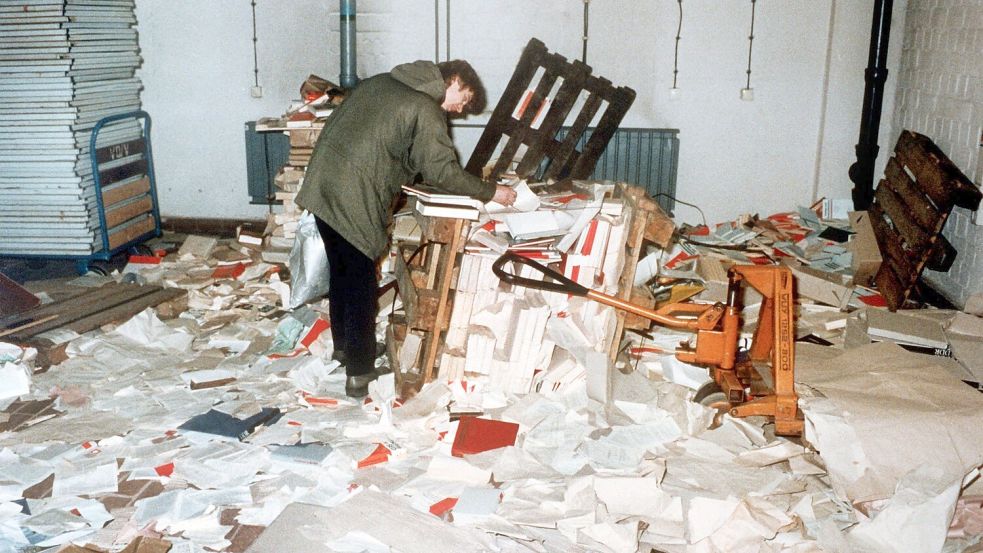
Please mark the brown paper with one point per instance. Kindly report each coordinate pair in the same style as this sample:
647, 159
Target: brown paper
892, 411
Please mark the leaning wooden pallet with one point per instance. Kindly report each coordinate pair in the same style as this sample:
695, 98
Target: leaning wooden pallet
913, 201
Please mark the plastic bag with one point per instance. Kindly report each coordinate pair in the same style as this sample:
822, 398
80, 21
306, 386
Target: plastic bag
308, 264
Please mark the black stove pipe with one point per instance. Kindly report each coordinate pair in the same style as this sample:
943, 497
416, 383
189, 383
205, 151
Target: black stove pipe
862, 171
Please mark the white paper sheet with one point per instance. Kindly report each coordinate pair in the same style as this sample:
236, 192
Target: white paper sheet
15, 381
148, 331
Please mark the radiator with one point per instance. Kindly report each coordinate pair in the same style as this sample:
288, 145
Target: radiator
266, 153
644, 157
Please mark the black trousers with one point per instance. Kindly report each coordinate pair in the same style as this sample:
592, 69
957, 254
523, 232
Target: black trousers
352, 301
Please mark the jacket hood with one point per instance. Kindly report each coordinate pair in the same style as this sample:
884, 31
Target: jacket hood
421, 75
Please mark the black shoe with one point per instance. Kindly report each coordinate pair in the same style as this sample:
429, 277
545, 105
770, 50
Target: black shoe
358, 386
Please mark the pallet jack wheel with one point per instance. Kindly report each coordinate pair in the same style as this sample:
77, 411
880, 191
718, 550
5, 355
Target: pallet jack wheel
712, 396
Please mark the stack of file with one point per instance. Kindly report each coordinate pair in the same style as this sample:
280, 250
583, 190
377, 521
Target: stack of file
64, 65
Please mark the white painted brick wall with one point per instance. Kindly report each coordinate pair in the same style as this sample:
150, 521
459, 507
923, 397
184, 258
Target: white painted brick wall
940, 94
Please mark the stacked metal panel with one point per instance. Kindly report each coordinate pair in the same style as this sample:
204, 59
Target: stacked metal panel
64, 64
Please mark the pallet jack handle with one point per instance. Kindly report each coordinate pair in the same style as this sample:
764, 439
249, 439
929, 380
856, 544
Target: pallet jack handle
700, 316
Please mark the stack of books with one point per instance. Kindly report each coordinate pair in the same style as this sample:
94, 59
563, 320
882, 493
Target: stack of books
432, 203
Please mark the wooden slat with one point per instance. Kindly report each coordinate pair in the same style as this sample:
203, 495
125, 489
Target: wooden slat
914, 236
50, 353
562, 152
444, 302
80, 300
419, 303
132, 232
563, 103
120, 214
889, 242
407, 289
435, 229
891, 288
911, 154
919, 207
124, 311
91, 300
618, 106
641, 215
125, 191
519, 132
99, 306
935, 172
523, 74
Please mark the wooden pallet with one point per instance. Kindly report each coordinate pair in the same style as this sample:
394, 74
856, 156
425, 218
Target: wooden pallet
424, 277
646, 222
83, 310
517, 120
911, 205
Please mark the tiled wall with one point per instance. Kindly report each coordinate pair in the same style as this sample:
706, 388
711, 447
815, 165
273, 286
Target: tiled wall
940, 94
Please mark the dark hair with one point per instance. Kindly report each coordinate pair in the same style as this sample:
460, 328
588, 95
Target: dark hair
462, 70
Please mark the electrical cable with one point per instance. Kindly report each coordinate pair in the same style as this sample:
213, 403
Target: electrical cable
675, 57
255, 57
750, 44
694, 206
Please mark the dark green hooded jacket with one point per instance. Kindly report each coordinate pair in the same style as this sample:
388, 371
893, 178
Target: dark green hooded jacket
389, 129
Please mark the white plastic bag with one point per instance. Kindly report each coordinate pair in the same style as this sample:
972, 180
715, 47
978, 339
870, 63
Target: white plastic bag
308, 264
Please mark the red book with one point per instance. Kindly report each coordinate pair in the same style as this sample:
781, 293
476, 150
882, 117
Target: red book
475, 435
229, 271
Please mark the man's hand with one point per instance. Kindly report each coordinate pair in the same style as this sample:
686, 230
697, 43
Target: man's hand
504, 195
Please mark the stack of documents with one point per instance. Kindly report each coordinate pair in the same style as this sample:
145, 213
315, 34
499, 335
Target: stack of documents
64, 65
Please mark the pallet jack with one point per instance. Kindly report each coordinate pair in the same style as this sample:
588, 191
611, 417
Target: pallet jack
740, 383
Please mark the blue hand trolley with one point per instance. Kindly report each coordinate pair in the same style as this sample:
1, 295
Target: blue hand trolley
126, 191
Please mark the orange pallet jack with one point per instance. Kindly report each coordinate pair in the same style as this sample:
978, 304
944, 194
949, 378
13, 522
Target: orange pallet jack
737, 381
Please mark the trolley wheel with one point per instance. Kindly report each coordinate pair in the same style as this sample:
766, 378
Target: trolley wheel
98, 267
142, 249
